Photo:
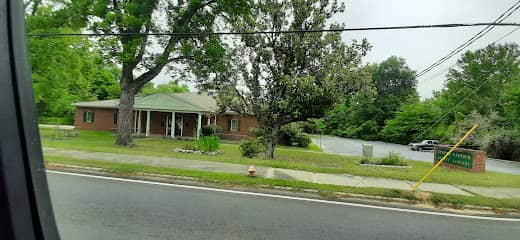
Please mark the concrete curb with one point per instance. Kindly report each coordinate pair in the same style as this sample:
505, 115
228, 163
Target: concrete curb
289, 191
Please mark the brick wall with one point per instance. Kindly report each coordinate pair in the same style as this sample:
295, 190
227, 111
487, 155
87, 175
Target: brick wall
103, 119
245, 123
479, 159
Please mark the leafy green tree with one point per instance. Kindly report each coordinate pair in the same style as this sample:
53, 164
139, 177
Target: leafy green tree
283, 78
392, 84
479, 79
170, 87
511, 101
143, 57
413, 121
395, 84
64, 69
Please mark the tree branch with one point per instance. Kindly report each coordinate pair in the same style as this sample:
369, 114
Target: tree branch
163, 59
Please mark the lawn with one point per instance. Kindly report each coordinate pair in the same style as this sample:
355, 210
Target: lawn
285, 157
325, 190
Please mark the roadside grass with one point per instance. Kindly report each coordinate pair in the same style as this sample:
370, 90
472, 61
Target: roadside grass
314, 147
325, 190
285, 157
457, 201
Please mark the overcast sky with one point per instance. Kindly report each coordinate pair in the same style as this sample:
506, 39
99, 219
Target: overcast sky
421, 47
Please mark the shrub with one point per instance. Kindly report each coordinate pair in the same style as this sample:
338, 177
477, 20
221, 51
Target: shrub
504, 145
190, 147
312, 126
55, 120
393, 158
211, 130
292, 135
251, 147
208, 143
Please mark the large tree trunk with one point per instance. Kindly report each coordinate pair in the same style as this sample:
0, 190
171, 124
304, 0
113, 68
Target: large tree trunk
271, 141
124, 117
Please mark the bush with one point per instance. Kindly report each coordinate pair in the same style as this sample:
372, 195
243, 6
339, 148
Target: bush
208, 143
211, 130
393, 158
190, 147
312, 126
504, 145
292, 135
55, 120
251, 147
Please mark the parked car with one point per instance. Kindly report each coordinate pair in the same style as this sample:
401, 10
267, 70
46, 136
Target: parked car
424, 145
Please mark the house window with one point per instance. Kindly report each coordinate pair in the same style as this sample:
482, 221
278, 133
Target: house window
234, 125
88, 116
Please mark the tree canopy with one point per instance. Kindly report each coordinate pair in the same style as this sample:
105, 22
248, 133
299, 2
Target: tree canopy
392, 83
65, 69
170, 87
282, 78
482, 88
143, 57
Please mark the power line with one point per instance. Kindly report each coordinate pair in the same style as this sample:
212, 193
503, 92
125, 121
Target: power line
451, 25
506, 35
451, 110
474, 38
469, 95
453, 65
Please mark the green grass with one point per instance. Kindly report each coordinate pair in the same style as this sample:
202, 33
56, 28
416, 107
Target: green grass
285, 157
458, 200
325, 190
314, 147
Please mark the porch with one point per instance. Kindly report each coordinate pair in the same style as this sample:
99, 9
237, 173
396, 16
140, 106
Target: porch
184, 125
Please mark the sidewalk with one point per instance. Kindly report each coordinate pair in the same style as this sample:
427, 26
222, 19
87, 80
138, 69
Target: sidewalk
279, 173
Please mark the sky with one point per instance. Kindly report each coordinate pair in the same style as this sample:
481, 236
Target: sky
420, 47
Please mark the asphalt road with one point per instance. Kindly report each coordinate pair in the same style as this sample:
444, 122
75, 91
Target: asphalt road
89, 208
347, 146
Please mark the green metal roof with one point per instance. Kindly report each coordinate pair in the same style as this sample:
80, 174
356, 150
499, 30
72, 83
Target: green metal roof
187, 102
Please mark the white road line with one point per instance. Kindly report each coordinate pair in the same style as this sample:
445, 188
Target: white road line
289, 197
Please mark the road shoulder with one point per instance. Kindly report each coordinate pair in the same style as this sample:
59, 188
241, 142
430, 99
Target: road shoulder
348, 197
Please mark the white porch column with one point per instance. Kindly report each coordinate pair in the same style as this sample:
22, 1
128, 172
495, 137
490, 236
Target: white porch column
199, 123
173, 125
147, 123
209, 120
139, 123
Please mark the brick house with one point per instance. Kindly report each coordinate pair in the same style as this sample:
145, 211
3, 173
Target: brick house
152, 116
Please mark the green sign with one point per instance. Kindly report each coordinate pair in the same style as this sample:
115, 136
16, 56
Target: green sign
461, 159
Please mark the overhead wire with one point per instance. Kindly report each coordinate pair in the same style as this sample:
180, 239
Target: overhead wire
474, 38
469, 95
142, 34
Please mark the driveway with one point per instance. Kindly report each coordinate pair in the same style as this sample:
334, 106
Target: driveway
347, 146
